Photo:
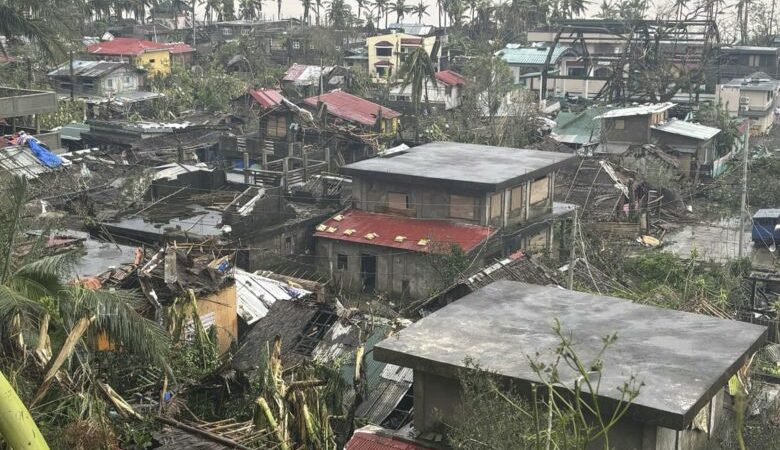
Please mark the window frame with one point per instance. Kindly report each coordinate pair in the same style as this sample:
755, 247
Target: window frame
462, 204
342, 262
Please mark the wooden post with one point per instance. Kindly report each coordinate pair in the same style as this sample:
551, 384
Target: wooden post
327, 159
305, 157
246, 168
285, 168
291, 149
263, 159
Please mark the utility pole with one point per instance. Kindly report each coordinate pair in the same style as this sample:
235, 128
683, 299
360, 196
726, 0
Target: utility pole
194, 29
72, 78
742, 204
572, 245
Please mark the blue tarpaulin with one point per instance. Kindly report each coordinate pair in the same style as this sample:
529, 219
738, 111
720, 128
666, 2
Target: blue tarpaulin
46, 157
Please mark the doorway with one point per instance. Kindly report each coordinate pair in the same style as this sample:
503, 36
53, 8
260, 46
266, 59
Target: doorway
368, 272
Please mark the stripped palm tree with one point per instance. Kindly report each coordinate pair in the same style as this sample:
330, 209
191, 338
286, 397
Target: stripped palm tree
34, 300
420, 10
400, 8
306, 8
417, 71
382, 10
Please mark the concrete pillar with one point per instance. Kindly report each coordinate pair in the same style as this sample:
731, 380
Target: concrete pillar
263, 159
285, 169
327, 159
305, 157
291, 149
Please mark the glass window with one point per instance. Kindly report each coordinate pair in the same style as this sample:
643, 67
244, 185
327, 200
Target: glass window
342, 262
462, 207
620, 124
296, 45
384, 51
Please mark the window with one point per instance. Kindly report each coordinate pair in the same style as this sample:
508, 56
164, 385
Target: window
516, 199
288, 247
602, 72
495, 205
462, 207
109, 83
296, 45
245, 31
128, 79
448, 90
576, 71
398, 200
540, 188
620, 124
276, 126
152, 61
406, 288
342, 263
381, 72
384, 51
227, 31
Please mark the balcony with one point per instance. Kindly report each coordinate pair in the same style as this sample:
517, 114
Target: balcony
24, 102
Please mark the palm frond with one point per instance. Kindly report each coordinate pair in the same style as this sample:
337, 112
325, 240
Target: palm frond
14, 22
13, 304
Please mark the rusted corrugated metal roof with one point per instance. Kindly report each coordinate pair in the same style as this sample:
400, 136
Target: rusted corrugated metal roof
135, 47
87, 69
267, 98
352, 108
372, 438
450, 77
407, 233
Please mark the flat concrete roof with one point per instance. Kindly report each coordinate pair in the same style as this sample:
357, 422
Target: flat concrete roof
683, 359
468, 165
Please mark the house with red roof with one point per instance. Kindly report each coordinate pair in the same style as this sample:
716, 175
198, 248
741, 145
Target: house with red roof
156, 57
339, 106
267, 106
445, 93
413, 209
372, 437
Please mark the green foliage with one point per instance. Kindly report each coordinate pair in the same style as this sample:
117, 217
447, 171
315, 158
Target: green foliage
450, 264
723, 196
184, 90
716, 115
67, 112
559, 413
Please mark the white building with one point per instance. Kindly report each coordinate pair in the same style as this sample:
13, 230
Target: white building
446, 93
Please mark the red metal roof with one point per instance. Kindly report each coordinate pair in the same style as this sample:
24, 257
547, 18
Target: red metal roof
419, 235
451, 78
267, 98
179, 47
135, 47
363, 440
352, 108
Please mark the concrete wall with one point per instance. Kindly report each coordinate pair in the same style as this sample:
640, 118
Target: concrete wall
437, 94
635, 129
396, 53
433, 202
437, 400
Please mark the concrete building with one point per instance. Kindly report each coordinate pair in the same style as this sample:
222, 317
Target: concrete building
387, 53
692, 144
684, 360
446, 93
754, 98
96, 78
741, 61
526, 64
409, 205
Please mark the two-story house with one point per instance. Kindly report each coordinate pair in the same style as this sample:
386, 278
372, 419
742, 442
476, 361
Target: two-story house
446, 93
387, 53
156, 57
96, 78
527, 63
409, 205
339, 106
754, 98
741, 61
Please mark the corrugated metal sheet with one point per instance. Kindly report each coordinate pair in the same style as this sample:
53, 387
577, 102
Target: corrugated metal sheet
19, 160
172, 171
267, 98
687, 129
637, 110
419, 235
382, 400
87, 69
412, 28
375, 438
352, 108
530, 56
255, 294
123, 46
450, 77
305, 75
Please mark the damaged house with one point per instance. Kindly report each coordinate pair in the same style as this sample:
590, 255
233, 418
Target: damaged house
409, 205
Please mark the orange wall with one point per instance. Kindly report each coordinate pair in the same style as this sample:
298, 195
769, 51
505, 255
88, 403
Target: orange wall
224, 306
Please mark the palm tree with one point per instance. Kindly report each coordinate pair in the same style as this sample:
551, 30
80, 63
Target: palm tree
400, 8
337, 14
472, 7
416, 71
362, 4
306, 8
577, 7
317, 4
420, 10
23, 19
381, 8
250, 9
278, 9
32, 286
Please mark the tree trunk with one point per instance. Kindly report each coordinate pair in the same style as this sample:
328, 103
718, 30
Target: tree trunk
16, 424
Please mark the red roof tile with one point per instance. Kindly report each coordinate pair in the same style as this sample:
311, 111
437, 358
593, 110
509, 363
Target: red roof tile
267, 98
352, 108
135, 47
439, 234
451, 78
363, 440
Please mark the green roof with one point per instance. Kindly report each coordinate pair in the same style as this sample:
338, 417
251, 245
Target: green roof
72, 131
532, 56
579, 127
